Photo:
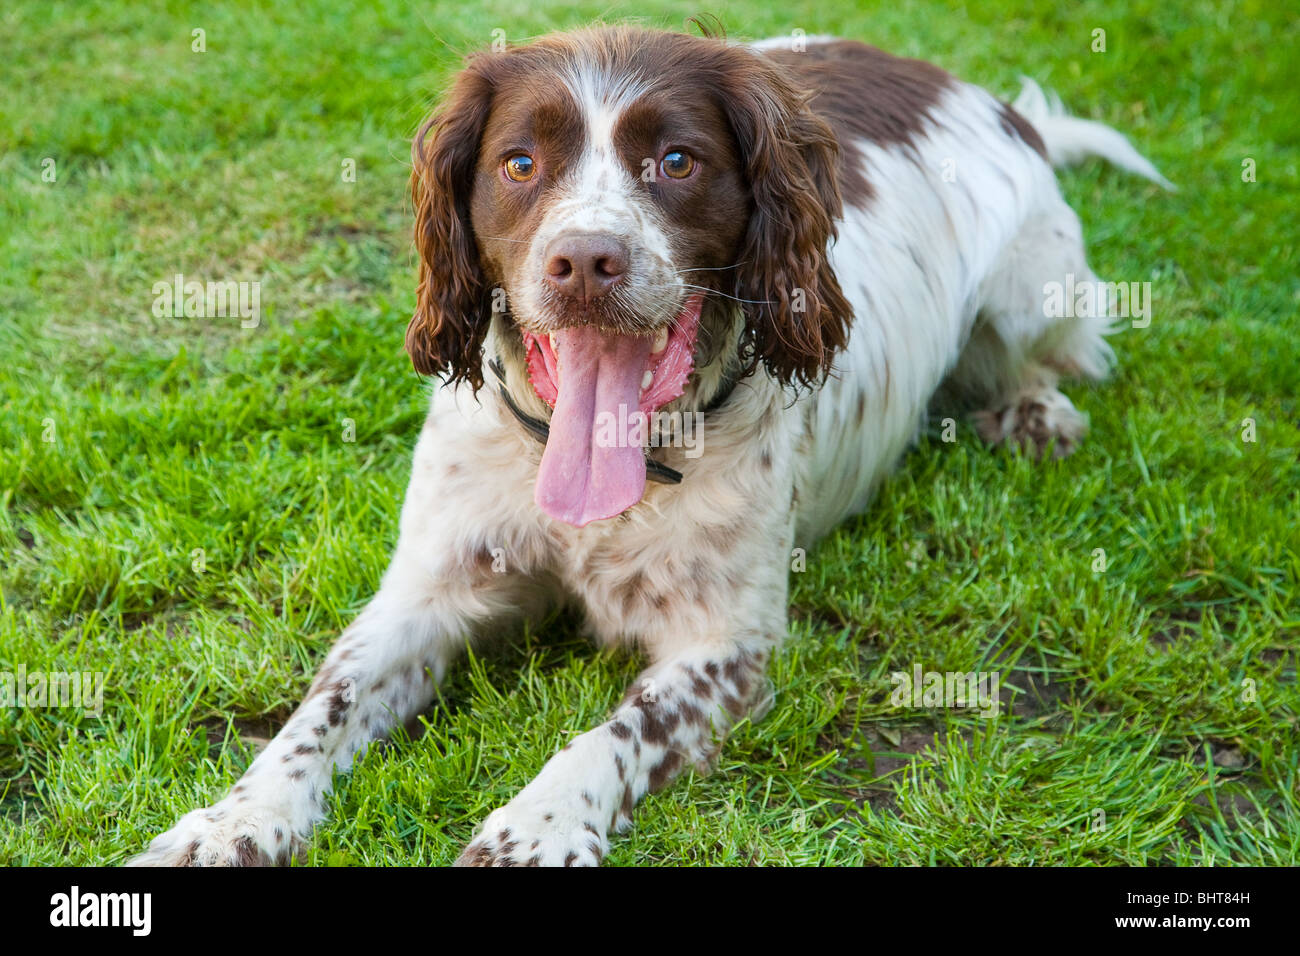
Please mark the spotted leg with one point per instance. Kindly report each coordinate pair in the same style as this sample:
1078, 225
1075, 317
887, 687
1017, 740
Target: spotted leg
381, 672
674, 716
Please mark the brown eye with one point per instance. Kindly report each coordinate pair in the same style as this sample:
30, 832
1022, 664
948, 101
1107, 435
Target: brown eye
521, 167
677, 165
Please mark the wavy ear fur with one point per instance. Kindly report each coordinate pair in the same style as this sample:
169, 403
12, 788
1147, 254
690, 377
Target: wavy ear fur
452, 301
797, 316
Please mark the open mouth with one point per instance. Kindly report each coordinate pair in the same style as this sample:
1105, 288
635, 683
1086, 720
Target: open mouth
594, 381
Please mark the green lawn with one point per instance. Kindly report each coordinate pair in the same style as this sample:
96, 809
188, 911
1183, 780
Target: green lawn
1157, 697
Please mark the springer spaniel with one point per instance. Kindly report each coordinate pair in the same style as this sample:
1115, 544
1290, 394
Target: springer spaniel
691, 300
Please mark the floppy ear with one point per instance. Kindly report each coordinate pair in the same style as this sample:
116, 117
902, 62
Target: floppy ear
452, 302
796, 316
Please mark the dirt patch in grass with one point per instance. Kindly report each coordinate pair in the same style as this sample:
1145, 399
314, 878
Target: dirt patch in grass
1041, 698
254, 733
1170, 629
874, 758
1232, 801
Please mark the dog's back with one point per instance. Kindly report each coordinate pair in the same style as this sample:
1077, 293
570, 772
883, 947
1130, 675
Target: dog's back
952, 227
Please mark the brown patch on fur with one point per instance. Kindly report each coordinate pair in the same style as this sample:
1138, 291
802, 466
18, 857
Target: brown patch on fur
733, 706
476, 854
865, 93
247, 853
692, 715
657, 725
339, 705
665, 771
1015, 125
1025, 425
738, 671
324, 677
699, 686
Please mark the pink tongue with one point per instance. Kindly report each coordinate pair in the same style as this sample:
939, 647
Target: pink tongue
582, 480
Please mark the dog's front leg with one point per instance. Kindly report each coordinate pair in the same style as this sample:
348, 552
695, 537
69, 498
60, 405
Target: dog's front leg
380, 673
675, 715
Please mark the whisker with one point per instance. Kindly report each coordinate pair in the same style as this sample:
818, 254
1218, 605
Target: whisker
678, 272
700, 288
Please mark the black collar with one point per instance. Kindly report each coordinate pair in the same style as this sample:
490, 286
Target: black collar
654, 470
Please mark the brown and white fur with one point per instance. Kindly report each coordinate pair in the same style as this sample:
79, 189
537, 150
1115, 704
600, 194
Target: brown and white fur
865, 230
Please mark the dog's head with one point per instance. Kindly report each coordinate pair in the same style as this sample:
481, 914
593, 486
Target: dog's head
617, 198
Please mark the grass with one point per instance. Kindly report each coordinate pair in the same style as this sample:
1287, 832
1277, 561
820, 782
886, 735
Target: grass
179, 510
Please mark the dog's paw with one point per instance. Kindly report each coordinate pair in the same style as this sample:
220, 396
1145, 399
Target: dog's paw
222, 835
1036, 420
526, 833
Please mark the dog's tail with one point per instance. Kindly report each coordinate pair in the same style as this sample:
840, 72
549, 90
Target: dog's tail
1071, 140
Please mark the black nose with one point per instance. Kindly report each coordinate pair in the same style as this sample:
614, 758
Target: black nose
585, 267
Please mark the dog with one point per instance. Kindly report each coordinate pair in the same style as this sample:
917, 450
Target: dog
689, 300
